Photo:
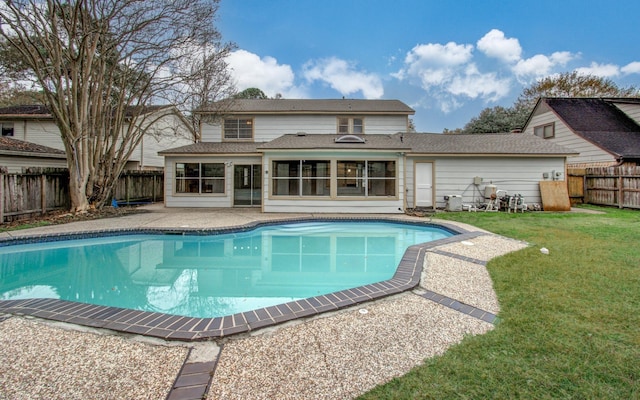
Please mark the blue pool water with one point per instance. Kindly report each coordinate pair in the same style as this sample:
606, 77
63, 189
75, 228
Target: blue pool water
210, 275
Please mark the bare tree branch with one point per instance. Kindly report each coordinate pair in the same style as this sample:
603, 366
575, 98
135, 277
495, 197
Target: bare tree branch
102, 63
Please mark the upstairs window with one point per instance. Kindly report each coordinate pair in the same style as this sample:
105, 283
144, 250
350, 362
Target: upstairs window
545, 131
350, 125
238, 128
7, 128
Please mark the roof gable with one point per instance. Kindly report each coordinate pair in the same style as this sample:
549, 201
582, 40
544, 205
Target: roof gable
600, 122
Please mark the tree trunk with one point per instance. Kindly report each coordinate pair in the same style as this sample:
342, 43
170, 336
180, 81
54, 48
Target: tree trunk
77, 192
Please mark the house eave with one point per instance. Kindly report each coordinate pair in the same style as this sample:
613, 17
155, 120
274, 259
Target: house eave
32, 154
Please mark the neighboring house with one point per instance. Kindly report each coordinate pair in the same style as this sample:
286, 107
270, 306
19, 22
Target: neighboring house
17, 154
604, 131
346, 156
35, 124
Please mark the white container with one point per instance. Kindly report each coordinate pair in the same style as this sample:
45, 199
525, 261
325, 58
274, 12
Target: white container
454, 202
489, 191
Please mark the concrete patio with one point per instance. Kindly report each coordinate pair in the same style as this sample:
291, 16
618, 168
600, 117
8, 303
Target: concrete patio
339, 354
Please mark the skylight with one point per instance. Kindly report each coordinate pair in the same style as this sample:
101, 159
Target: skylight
349, 139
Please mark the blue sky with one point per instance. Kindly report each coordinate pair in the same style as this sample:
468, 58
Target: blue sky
446, 59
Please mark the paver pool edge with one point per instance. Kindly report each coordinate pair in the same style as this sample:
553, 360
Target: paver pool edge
172, 327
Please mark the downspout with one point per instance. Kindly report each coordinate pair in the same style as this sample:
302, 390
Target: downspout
404, 180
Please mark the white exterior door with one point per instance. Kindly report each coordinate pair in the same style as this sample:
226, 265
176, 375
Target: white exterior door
424, 184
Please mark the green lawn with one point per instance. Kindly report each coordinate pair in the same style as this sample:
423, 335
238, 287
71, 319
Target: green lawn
569, 325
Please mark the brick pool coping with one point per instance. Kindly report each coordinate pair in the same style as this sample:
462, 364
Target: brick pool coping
173, 327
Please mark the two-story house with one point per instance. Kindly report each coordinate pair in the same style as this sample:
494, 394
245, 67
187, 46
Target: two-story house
345, 156
603, 131
164, 126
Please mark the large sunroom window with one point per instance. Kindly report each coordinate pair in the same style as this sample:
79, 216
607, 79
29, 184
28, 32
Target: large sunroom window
200, 178
301, 178
366, 178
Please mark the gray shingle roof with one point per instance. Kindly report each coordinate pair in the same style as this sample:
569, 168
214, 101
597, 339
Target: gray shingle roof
327, 141
13, 146
312, 106
499, 144
420, 143
601, 123
41, 111
215, 148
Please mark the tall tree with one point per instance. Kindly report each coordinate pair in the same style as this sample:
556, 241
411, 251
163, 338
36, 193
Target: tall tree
497, 119
573, 84
101, 64
568, 84
251, 93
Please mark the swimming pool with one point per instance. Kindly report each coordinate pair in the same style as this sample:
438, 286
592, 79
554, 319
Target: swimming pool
176, 327
208, 276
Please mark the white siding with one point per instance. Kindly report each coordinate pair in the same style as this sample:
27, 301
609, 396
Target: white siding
166, 132
269, 127
632, 110
589, 153
225, 200
44, 133
335, 206
172, 199
454, 175
15, 164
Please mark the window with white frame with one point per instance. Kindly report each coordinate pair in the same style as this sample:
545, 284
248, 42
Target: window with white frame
545, 131
200, 178
301, 178
238, 128
352, 125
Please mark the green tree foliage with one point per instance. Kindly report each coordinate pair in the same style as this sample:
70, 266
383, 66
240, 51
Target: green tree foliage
497, 119
100, 65
251, 93
568, 84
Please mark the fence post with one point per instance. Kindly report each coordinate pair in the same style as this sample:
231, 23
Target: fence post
1, 197
127, 182
43, 193
620, 190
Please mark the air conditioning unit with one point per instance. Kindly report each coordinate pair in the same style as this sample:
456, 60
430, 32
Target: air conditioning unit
454, 202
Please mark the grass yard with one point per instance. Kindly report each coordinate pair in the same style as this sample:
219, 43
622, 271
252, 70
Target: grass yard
569, 325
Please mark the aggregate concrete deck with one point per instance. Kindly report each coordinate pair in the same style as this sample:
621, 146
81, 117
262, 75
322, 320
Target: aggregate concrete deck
337, 354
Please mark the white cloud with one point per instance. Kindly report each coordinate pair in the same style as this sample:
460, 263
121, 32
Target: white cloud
249, 70
540, 65
343, 77
450, 54
601, 70
434, 64
474, 84
536, 66
631, 68
448, 73
562, 58
495, 44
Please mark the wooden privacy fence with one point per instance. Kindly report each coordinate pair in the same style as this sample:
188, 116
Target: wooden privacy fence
610, 186
32, 193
